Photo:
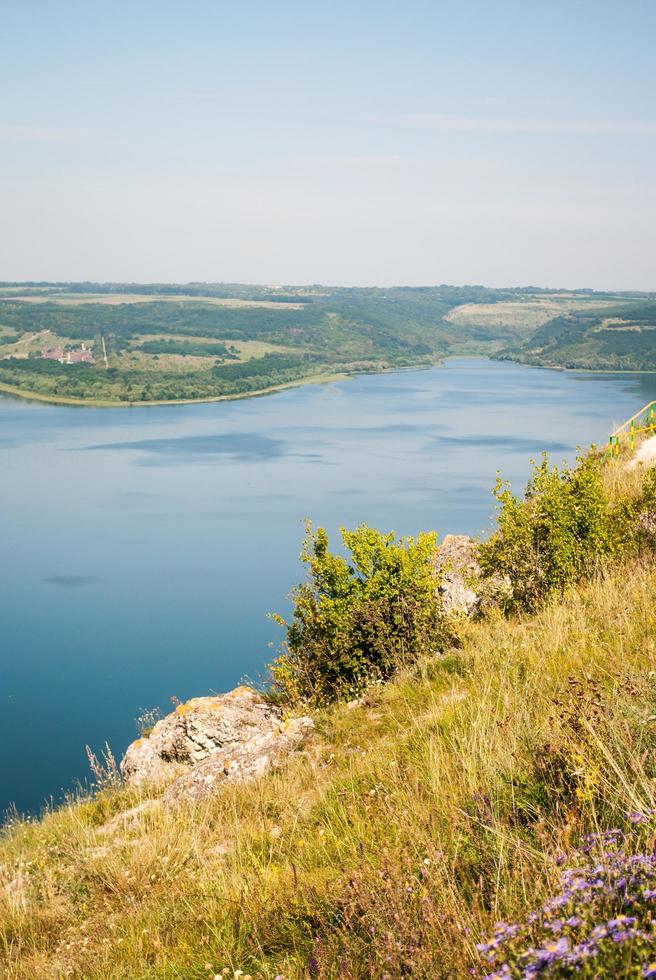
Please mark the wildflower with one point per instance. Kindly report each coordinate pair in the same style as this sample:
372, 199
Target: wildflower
552, 951
502, 974
597, 894
584, 951
621, 921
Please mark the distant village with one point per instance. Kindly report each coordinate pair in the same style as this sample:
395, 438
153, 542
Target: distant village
80, 355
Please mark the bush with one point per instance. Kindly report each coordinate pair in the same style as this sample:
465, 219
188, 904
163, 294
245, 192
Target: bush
354, 624
562, 532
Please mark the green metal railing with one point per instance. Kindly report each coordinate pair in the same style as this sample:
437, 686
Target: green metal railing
642, 421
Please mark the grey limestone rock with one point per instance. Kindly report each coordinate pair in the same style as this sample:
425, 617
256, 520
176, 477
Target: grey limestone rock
462, 589
208, 741
456, 563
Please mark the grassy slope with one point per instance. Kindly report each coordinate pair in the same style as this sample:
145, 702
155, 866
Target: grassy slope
410, 825
616, 338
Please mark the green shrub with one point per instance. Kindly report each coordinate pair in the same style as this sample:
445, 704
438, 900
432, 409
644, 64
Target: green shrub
564, 530
560, 533
355, 623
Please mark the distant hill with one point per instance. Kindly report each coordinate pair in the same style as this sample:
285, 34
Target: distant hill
618, 337
112, 343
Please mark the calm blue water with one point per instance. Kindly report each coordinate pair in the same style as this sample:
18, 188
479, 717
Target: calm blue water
143, 547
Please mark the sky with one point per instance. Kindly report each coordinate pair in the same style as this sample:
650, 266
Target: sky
366, 142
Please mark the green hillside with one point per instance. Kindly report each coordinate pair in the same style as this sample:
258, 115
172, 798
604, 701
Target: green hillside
159, 344
619, 337
117, 343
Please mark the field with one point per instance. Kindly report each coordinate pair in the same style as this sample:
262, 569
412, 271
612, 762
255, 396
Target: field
116, 299
527, 314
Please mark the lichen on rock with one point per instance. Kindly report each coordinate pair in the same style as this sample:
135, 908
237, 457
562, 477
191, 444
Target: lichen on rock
211, 740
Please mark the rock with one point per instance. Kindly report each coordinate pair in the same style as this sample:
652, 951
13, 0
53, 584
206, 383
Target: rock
143, 763
456, 562
210, 741
240, 763
462, 589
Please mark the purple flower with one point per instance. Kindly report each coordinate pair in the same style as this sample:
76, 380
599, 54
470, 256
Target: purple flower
555, 926
597, 891
586, 950
502, 974
621, 921
552, 951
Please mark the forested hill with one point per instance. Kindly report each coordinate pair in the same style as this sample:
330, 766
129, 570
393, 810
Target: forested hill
622, 337
117, 343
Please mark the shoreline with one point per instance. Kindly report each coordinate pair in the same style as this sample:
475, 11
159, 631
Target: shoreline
300, 382
100, 403
576, 370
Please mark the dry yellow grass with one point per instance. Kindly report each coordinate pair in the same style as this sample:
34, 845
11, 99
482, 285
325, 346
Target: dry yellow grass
181, 363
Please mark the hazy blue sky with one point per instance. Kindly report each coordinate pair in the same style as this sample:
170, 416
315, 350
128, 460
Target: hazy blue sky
359, 142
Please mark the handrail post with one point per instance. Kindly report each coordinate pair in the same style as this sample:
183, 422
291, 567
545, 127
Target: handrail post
642, 421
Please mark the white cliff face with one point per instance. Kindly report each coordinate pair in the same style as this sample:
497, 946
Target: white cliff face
645, 454
208, 741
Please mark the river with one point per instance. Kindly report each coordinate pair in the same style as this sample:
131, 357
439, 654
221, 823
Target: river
144, 546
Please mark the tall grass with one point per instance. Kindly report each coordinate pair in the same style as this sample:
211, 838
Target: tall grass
389, 848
